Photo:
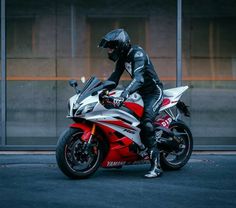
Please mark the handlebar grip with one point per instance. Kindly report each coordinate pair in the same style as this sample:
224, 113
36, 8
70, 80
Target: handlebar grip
108, 98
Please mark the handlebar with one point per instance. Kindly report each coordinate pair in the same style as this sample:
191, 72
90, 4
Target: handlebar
110, 102
106, 98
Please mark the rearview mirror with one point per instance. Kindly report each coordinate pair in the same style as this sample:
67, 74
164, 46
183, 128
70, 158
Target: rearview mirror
73, 83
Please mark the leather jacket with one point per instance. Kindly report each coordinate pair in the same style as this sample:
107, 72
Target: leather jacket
137, 63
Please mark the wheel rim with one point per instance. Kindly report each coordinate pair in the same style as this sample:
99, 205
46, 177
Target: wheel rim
77, 159
175, 158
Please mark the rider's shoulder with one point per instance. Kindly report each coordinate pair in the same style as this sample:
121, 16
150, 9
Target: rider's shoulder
137, 51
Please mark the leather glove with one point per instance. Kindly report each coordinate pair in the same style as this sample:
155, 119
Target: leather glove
118, 101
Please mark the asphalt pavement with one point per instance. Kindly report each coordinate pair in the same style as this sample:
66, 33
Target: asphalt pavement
35, 181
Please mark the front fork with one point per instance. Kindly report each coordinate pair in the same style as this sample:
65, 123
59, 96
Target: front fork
88, 145
92, 133
88, 135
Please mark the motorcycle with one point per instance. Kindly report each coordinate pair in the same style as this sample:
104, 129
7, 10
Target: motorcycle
106, 136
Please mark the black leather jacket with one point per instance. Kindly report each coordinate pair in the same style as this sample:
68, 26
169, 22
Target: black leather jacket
141, 70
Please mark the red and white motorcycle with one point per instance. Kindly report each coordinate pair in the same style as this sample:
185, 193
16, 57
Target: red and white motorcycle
102, 135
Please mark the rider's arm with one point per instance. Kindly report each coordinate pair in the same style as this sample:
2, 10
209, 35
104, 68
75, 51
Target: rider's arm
115, 76
138, 73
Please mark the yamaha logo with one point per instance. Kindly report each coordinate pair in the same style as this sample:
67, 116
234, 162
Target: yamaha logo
115, 163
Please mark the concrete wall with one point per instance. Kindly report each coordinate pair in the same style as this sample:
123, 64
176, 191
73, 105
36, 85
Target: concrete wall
59, 42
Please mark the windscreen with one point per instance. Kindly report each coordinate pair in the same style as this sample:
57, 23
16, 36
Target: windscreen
93, 85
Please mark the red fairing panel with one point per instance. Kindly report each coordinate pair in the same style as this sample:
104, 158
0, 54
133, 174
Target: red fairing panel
165, 102
136, 108
119, 152
165, 121
86, 129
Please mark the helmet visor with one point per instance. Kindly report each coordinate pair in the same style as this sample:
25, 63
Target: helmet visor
107, 44
103, 43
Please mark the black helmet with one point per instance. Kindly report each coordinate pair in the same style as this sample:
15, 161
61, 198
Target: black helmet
118, 40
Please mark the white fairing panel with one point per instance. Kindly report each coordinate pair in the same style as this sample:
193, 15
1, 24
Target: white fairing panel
175, 92
102, 117
173, 95
72, 102
134, 98
131, 134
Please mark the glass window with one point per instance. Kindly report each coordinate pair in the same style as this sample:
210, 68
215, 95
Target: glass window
0, 87
50, 42
209, 50
31, 71
0, 91
20, 43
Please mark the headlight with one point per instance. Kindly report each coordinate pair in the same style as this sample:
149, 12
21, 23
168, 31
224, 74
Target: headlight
86, 109
76, 106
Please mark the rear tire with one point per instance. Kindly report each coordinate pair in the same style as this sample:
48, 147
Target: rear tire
72, 160
176, 160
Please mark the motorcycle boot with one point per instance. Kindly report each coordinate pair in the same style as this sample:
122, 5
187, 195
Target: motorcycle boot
155, 169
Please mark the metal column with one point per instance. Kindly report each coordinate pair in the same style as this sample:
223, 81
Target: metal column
73, 30
3, 78
179, 45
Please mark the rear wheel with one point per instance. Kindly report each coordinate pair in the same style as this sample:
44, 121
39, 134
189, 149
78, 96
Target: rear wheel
176, 159
74, 159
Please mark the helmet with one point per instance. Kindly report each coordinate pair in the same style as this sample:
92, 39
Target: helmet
118, 40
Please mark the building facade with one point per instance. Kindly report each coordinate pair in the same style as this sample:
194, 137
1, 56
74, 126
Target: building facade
50, 42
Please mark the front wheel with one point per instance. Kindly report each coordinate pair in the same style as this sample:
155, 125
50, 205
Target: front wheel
178, 158
74, 159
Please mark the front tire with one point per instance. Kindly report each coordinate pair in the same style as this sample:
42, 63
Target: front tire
71, 158
177, 159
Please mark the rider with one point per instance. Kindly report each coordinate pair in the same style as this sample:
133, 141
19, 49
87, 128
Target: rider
145, 81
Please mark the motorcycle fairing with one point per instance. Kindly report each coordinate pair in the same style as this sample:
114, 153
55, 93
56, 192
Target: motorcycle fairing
86, 129
136, 108
119, 151
118, 126
164, 121
118, 120
172, 96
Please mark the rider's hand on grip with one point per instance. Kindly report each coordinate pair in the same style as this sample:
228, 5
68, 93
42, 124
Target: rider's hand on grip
118, 101
110, 102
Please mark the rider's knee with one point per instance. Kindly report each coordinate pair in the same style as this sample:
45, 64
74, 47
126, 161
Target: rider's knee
149, 128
